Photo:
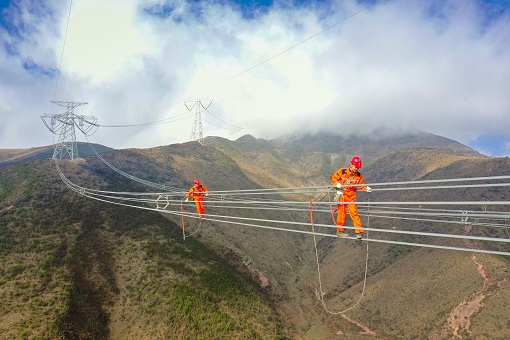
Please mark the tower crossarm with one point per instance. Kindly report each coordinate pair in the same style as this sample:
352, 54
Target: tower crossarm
63, 125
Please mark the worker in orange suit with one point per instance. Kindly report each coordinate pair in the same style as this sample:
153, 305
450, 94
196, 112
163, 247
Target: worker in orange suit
349, 179
197, 191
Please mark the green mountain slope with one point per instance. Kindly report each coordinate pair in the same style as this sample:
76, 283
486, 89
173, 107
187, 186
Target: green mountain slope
76, 268
128, 274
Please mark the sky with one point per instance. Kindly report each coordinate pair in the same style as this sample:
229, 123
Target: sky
147, 69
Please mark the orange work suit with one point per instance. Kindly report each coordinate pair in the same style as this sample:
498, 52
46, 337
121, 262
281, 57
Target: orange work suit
197, 191
345, 177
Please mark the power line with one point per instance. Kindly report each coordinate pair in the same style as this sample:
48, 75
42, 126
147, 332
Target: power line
63, 47
157, 122
162, 201
233, 127
284, 51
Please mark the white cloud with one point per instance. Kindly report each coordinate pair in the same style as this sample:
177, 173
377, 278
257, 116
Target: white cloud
440, 66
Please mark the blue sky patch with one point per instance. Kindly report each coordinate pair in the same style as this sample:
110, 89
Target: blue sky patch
499, 145
160, 11
10, 49
252, 8
194, 8
38, 70
4, 4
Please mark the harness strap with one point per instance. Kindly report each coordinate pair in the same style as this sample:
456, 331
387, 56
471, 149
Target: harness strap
311, 212
182, 218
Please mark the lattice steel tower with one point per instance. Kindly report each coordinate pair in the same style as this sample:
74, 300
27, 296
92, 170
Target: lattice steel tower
197, 133
63, 125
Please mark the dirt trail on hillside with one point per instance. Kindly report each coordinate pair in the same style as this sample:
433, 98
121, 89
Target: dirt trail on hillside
365, 329
459, 319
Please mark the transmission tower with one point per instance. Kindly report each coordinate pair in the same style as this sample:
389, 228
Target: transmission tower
197, 132
63, 125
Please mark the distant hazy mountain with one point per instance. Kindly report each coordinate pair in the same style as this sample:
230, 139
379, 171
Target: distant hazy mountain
12, 156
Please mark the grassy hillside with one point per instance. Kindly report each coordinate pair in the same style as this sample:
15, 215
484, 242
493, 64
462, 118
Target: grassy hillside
118, 272
296, 281
75, 268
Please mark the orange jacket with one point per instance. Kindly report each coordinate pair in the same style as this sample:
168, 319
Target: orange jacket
197, 191
345, 177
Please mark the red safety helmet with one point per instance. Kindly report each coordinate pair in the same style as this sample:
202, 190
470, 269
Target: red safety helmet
356, 161
197, 182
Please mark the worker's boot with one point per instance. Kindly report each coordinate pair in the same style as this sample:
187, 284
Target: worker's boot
341, 234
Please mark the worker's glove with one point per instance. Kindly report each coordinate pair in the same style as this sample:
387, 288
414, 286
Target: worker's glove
206, 195
339, 186
369, 189
337, 195
186, 200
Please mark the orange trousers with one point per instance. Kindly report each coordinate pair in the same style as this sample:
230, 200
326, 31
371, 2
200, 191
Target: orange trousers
200, 207
353, 212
